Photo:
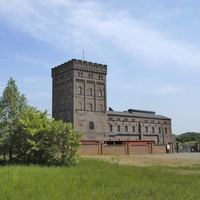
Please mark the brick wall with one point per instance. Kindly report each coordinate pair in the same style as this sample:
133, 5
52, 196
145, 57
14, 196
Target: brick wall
139, 149
158, 149
113, 149
98, 148
89, 149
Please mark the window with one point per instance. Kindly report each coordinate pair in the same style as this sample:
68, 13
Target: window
80, 105
118, 128
133, 129
100, 93
90, 106
70, 89
100, 107
62, 92
126, 128
80, 74
69, 106
111, 128
91, 125
153, 130
90, 91
146, 129
90, 75
159, 130
165, 130
79, 90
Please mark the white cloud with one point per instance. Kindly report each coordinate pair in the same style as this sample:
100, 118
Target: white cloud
75, 23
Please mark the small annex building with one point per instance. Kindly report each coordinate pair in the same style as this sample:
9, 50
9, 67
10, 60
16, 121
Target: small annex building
79, 96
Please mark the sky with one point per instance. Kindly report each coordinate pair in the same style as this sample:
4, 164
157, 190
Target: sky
151, 49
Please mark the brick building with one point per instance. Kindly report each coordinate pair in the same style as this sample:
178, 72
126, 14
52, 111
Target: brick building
79, 96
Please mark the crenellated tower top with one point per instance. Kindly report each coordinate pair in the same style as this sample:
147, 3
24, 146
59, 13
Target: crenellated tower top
79, 65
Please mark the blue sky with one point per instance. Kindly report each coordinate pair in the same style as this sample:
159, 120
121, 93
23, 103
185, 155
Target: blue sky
151, 47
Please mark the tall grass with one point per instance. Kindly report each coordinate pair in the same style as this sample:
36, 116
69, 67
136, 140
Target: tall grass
93, 179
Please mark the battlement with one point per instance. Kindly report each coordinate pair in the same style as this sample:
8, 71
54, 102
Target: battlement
89, 64
78, 64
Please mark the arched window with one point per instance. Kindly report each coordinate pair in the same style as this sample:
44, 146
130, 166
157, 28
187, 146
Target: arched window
80, 105
118, 128
70, 90
90, 91
79, 90
100, 107
100, 93
90, 107
126, 128
91, 125
111, 128
133, 128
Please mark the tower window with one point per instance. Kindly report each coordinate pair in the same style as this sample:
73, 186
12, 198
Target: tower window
100, 107
80, 74
100, 77
126, 128
69, 106
90, 75
70, 90
90, 106
100, 94
90, 91
79, 90
118, 128
91, 125
80, 105
111, 128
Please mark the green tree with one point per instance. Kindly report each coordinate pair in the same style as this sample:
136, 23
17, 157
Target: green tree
30, 136
12, 104
187, 137
46, 141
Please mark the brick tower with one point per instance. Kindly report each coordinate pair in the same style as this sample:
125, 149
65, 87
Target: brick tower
79, 97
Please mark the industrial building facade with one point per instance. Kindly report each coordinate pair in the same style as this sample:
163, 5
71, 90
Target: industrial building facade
79, 96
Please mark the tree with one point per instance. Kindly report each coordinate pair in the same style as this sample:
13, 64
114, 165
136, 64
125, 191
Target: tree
12, 104
187, 137
30, 136
44, 140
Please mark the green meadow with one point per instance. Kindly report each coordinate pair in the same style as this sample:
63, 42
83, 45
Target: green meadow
95, 179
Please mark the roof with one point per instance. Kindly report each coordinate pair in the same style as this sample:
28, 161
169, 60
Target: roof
147, 114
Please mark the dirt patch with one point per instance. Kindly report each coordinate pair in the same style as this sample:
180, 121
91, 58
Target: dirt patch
182, 159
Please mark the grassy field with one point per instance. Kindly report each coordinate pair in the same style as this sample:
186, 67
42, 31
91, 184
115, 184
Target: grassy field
98, 179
